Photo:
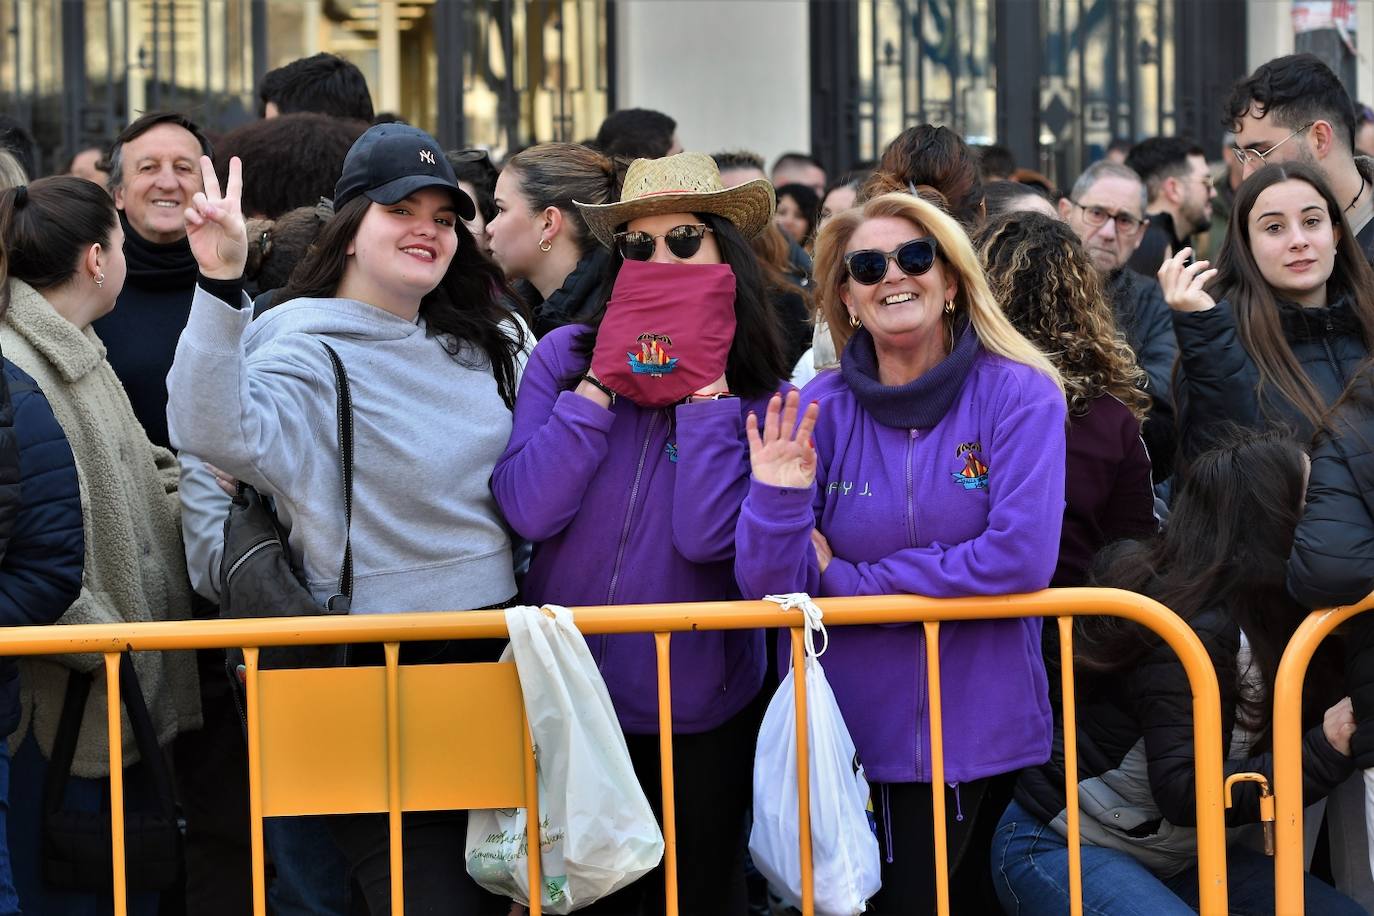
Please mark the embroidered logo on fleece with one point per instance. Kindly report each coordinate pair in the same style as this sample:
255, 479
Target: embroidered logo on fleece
974, 476
653, 359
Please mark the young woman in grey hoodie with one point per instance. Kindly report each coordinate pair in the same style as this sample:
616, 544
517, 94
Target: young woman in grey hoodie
397, 287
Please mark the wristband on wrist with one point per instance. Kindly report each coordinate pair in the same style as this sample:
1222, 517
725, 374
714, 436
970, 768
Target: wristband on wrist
596, 383
708, 396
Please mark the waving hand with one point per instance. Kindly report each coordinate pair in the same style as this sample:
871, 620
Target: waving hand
214, 223
783, 455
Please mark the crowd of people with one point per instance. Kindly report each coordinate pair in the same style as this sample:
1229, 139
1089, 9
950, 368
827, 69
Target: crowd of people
618, 372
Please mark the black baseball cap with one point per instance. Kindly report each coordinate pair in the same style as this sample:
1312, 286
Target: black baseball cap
390, 162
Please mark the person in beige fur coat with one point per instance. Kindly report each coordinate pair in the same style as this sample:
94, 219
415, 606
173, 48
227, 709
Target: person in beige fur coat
69, 273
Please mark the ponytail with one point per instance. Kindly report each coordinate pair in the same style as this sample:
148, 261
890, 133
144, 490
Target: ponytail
47, 226
556, 174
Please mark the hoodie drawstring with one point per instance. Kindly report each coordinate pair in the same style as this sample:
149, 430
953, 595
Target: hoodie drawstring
958, 805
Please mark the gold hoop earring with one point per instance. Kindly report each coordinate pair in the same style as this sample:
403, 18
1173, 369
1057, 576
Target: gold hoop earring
854, 322
545, 246
949, 306
99, 280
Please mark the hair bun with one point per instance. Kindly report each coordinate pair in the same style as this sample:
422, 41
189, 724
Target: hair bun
930, 195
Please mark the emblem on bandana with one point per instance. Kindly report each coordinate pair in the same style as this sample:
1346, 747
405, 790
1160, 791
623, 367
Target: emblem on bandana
652, 358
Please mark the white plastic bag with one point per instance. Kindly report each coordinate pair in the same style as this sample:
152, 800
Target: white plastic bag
597, 831
1369, 815
844, 846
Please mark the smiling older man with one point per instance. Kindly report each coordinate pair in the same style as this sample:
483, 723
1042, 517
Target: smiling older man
154, 168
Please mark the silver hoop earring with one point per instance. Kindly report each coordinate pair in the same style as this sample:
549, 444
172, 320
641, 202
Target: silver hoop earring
99, 280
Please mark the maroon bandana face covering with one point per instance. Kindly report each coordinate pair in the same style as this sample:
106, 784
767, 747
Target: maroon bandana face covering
667, 330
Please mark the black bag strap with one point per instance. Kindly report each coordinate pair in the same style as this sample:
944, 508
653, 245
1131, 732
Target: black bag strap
64, 745
345, 420
69, 732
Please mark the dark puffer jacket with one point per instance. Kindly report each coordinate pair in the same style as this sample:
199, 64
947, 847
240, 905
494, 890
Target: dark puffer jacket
1142, 315
1137, 786
573, 302
1218, 382
1333, 550
40, 574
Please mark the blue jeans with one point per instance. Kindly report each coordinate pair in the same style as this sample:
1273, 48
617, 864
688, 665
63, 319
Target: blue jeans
1030, 872
9, 897
312, 874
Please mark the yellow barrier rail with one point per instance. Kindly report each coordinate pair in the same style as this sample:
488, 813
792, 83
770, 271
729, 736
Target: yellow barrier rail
662, 620
1288, 806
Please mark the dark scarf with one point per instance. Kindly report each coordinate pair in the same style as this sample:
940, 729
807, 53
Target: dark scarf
572, 302
154, 266
918, 404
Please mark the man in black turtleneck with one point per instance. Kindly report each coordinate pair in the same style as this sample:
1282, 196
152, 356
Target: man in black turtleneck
154, 170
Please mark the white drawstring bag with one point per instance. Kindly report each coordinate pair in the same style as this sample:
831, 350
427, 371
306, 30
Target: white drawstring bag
597, 831
844, 845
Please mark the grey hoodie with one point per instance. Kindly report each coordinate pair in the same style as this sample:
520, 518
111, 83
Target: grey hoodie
258, 400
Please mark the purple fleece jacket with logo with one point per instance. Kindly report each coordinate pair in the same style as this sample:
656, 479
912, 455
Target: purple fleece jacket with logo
633, 505
962, 501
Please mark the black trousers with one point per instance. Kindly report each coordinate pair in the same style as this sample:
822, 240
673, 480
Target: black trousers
436, 881
712, 790
211, 771
906, 842
433, 843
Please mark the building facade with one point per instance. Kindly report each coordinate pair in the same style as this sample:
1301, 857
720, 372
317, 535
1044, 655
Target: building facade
1054, 80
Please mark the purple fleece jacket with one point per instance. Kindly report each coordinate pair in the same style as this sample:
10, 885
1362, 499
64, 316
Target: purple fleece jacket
964, 500
634, 505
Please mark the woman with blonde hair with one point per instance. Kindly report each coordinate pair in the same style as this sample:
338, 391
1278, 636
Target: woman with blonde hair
930, 463
1050, 291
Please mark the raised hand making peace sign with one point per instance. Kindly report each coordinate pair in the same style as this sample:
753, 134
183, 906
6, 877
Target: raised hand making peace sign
214, 223
783, 455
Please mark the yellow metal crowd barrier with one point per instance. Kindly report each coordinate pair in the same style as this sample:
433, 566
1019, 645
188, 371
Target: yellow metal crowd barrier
1288, 803
307, 728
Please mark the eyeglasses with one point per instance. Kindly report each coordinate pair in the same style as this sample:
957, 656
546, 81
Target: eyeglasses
683, 241
1246, 156
869, 265
1126, 224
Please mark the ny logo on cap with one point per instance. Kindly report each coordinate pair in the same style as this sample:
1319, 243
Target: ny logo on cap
427, 156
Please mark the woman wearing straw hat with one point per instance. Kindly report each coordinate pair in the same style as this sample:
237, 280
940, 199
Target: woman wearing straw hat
931, 463
626, 467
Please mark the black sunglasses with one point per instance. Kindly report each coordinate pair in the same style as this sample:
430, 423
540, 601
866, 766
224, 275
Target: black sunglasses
683, 241
869, 265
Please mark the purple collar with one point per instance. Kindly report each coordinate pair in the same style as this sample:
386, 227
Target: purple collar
919, 404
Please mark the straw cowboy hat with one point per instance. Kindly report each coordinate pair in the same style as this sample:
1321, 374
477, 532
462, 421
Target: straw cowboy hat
685, 183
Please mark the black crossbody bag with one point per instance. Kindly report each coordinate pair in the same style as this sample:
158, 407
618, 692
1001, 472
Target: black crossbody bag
77, 845
257, 577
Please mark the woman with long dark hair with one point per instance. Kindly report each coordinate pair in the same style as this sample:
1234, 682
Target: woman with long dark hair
396, 286
1048, 288
1219, 565
626, 468
1273, 334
